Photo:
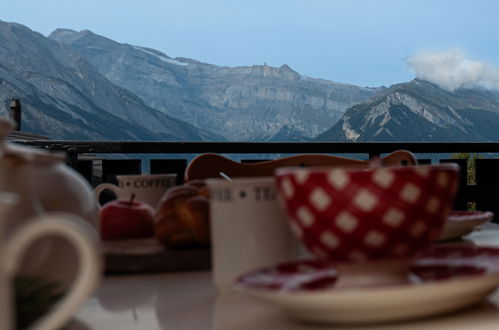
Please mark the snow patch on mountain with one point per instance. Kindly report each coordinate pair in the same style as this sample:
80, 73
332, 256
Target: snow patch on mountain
161, 57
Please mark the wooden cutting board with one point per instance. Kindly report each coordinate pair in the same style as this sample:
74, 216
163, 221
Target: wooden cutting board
147, 255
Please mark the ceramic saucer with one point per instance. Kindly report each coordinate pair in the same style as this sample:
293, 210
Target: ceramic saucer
445, 279
460, 223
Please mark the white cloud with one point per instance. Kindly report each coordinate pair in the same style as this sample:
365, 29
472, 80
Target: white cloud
452, 70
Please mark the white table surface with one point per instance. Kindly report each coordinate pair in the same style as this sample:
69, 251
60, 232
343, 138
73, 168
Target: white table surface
189, 301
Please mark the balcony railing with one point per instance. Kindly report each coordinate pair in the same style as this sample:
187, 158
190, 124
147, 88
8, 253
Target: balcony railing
371, 148
92, 159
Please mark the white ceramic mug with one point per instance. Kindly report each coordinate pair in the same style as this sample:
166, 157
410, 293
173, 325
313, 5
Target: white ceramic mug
248, 228
73, 229
147, 188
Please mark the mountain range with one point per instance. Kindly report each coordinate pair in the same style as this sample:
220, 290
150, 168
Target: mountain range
245, 103
83, 86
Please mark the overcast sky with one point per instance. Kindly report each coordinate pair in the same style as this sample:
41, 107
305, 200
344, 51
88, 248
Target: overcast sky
362, 42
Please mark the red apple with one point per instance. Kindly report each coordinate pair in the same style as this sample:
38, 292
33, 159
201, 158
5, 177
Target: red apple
122, 219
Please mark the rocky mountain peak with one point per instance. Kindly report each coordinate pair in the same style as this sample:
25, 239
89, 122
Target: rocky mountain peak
288, 73
419, 111
283, 72
289, 134
68, 35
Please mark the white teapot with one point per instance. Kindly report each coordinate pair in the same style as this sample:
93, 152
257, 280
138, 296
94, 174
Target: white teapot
44, 184
56, 186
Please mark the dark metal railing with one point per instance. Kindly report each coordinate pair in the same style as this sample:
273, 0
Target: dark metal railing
372, 148
482, 192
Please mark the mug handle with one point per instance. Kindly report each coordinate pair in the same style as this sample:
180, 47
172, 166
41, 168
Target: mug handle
105, 186
84, 238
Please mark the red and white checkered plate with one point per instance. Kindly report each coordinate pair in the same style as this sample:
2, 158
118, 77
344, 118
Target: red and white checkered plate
444, 279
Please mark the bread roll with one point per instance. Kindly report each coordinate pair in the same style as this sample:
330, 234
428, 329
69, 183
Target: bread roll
182, 216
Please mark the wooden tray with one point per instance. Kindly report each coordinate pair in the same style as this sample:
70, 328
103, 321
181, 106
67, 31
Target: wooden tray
147, 255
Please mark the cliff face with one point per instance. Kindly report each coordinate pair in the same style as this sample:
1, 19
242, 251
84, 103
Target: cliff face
240, 103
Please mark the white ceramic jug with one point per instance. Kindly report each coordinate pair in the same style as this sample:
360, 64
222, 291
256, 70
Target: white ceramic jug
80, 235
43, 184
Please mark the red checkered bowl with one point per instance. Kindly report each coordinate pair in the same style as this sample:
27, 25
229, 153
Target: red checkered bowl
353, 215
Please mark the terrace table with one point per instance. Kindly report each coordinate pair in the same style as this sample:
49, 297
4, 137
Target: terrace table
189, 301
